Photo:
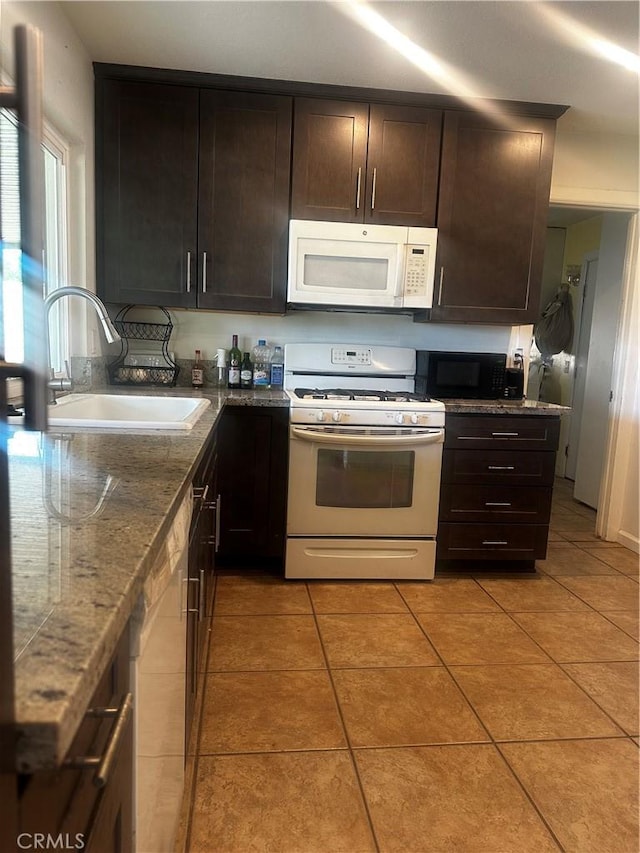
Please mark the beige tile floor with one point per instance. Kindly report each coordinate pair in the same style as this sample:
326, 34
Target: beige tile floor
486, 712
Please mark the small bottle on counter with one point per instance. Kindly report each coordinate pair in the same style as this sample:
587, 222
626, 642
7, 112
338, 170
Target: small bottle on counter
276, 368
235, 360
261, 358
246, 372
197, 372
221, 369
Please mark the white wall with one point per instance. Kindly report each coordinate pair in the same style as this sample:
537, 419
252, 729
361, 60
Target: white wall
595, 169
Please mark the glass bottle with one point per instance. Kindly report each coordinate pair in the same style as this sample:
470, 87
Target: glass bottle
246, 372
235, 360
197, 372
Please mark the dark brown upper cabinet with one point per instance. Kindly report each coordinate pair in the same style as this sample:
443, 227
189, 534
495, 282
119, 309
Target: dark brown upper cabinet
355, 162
243, 202
146, 193
192, 194
494, 194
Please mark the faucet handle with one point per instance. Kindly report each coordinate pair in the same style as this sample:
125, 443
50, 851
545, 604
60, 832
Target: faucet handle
66, 369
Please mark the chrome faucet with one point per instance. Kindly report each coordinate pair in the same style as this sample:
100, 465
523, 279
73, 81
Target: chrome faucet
110, 333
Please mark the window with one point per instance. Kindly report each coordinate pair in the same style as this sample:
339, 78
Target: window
55, 242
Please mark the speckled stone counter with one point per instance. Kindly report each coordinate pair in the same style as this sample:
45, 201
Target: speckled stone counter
89, 509
504, 407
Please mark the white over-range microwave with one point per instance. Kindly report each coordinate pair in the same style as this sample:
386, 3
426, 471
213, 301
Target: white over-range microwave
346, 264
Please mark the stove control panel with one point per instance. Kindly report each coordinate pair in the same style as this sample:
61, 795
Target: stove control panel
355, 417
351, 355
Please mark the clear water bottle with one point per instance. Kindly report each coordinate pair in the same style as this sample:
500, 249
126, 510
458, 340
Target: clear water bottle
261, 364
276, 373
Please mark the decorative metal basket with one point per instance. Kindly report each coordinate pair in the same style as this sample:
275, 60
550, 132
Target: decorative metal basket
163, 371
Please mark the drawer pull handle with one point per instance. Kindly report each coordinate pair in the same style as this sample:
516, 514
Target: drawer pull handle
104, 762
494, 542
200, 492
505, 434
501, 467
497, 503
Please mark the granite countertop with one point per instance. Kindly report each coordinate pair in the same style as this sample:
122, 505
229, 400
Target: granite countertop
504, 407
89, 510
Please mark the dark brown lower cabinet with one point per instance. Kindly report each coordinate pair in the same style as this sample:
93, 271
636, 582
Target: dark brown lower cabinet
253, 465
67, 802
200, 580
496, 488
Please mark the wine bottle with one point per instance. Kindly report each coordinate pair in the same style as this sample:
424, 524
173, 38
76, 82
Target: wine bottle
246, 372
235, 360
197, 372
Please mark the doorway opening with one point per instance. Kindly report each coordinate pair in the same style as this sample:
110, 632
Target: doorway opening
585, 253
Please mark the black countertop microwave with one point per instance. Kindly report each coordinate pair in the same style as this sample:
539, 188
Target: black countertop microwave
462, 375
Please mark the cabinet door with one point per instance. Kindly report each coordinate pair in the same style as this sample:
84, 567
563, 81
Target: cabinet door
403, 162
494, 195
146, 193
329, 160
253, 461
243, 205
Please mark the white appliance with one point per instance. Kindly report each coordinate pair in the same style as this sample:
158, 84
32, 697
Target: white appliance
337, 264
365, 455
158, 674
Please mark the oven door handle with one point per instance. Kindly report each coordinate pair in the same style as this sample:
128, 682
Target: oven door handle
319, 436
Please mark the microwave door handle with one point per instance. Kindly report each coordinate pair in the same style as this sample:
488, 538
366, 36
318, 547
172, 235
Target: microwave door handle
318, 436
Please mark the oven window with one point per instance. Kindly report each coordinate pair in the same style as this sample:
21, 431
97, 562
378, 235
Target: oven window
367, 479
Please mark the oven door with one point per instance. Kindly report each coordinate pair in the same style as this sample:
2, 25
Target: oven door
364, 482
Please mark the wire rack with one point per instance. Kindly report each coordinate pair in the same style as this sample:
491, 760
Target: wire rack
161, 369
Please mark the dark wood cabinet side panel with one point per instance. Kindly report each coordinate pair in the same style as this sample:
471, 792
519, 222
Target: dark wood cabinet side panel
494, 193
329, 147
148, 150
244, 200
403, 165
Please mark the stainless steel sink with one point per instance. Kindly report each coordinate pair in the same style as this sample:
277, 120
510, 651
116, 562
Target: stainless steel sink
113, 411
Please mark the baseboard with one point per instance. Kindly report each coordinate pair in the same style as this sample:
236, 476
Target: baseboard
628, 540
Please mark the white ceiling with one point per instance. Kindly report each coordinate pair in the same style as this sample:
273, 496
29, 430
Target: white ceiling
504, 49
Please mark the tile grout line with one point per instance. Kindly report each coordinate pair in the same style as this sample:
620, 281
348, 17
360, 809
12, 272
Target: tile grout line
354, 763
493, 741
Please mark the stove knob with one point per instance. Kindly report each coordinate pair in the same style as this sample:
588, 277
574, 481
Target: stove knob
320, 415
336, 416
415, 419
399, 418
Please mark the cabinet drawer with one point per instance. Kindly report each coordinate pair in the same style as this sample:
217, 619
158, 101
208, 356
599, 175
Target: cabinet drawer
460, 467
482, 432
492, 541
511, 504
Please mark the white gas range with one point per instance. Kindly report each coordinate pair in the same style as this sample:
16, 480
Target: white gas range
365, 455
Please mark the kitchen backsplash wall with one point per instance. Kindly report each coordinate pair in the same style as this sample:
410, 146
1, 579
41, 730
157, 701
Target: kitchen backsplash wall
209, 330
